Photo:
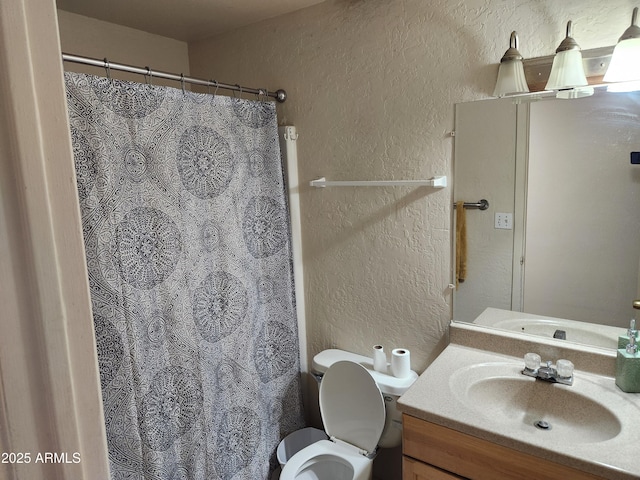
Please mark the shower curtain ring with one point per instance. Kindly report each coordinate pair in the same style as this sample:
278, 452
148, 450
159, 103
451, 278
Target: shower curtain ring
148, 76
107, 67
215, 82
182, 82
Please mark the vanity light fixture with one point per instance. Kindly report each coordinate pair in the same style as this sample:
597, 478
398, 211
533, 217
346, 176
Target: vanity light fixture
567, 72
625, 62
511, 77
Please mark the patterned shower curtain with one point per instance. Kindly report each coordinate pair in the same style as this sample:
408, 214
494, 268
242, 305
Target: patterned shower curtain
188, 249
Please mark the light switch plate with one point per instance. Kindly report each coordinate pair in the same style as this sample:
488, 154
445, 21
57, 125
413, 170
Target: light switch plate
504, 221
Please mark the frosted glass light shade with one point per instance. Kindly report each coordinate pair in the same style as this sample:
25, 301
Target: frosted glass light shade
511, 79
567, 71
625, 62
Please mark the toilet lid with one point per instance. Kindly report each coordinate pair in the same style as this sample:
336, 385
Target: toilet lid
351, 405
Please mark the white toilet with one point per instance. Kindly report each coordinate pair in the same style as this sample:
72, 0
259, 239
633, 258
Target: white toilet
358, 408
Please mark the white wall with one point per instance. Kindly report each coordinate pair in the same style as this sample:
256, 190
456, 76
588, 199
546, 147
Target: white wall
89, 37
371, 89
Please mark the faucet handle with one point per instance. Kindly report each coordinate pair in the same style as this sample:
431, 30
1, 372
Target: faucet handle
564, 368
532, 361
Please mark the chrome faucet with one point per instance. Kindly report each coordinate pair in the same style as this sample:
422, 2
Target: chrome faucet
561, 373
561, 334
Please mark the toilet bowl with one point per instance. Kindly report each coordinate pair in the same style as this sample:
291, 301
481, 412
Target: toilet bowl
350, 406
327, 460
296, 441
353, 412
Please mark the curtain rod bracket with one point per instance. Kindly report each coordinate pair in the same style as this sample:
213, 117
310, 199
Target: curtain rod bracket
281, 96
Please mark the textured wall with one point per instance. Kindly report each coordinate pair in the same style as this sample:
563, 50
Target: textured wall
371, 90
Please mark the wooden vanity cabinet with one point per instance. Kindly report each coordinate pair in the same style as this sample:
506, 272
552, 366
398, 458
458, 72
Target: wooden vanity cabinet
433, 452
415, 470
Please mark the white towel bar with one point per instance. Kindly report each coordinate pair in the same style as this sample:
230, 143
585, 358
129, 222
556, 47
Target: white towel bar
435, 182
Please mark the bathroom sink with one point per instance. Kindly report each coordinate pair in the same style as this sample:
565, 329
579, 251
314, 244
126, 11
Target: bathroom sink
498, 392
585, 333
590, 425
579, 332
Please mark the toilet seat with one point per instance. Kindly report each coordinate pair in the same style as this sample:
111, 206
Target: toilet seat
351, 405
353, 412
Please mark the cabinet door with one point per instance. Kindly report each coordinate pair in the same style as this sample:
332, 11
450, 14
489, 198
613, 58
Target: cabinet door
477, 459
414, 470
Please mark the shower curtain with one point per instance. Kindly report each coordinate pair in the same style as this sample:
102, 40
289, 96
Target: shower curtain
188, 250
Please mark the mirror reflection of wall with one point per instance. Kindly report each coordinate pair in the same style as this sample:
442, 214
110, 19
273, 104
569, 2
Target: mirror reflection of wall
583, 214
569, 161
484, 167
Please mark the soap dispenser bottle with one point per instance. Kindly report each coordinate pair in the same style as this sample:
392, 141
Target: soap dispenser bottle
628, 367
623, 340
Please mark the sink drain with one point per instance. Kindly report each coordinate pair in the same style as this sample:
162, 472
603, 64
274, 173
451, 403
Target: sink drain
542, 425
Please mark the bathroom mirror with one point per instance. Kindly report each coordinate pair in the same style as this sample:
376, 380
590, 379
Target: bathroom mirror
558, 249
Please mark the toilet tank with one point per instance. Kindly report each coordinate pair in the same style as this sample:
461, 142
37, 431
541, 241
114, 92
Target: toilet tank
390, 386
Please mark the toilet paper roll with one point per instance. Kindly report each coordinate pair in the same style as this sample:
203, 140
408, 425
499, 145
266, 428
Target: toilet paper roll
400, 362
379, 359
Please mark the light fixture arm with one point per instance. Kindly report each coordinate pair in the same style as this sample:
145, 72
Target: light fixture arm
568, 43
633, 31
512, 53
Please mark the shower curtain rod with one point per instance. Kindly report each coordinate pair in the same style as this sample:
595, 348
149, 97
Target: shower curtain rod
279, 95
